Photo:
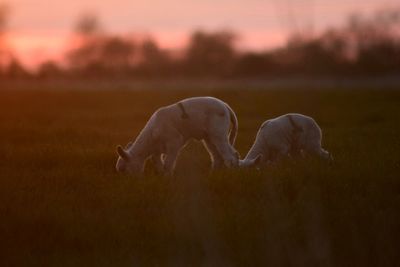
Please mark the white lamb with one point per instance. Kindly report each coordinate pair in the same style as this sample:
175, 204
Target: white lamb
287, 135
171, 127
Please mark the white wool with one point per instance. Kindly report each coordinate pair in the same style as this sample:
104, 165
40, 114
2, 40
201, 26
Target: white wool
284, 136
171, 127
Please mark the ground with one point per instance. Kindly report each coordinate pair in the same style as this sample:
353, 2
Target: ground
63, 204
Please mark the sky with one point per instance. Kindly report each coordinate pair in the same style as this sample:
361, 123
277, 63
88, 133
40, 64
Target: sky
40, 29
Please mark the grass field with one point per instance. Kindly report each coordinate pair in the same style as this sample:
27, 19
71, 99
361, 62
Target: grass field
62, 204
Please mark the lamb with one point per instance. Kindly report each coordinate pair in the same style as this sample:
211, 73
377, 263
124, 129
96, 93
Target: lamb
169, 129
287, 135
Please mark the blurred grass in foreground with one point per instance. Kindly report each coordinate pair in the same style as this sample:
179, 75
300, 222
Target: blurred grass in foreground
62, 204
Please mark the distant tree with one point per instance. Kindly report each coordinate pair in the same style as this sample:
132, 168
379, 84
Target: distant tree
16, 71
85, 42
49, 70
376, 41
365, 45
104, 55
95, 53
337, 43
314, 57
153, 60
116, 53
255, 65
210, 54
88, 25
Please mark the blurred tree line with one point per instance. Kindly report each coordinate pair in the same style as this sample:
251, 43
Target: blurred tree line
364, 46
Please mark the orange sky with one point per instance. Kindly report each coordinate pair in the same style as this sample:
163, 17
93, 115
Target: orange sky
39, 29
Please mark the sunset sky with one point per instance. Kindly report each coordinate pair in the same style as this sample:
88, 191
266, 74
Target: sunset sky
39, 29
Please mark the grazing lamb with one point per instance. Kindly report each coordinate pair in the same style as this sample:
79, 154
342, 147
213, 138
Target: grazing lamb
171, 127
287, 135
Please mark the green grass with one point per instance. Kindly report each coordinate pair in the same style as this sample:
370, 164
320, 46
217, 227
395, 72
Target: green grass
62, 204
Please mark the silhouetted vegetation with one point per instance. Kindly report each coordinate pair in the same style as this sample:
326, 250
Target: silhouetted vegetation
210, 54
364, 46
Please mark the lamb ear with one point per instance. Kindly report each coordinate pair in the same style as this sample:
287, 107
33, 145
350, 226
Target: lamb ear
122, 153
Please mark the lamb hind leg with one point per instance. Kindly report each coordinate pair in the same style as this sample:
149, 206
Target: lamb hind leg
226, 151
158, 163
170, 162
325, 155
317, 150
217, 135
217, 160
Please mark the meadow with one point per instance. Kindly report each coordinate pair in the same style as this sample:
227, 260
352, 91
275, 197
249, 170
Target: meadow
63, 204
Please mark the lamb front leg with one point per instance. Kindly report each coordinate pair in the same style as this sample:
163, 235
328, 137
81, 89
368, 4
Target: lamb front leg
173, 148
170, 162
158, 163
